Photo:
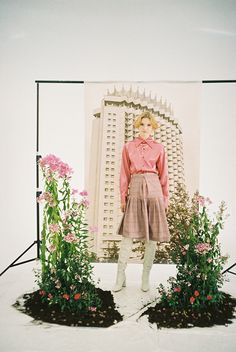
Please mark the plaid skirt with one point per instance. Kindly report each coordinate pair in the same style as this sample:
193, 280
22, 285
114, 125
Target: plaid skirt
145, 217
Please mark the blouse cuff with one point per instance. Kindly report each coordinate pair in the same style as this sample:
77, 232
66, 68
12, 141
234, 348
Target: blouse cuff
123, 198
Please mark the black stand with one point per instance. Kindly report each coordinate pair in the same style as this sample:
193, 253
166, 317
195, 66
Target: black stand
37, 241
228, 270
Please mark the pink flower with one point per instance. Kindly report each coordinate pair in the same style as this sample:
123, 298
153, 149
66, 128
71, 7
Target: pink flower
52, 248
54, 164
83, 193
192, 299
209, 297
71, 238
50, 179
42, 293
196, 293
203, 201
64, 170
45, 196
93, 229
177, 289
50, 296
40, 198
92, 309
85, 202
54, 228
51, 161
202, 248
48, 196
74, 191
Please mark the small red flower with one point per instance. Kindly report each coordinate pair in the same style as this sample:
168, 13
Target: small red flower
77, 296
196, 293
177, 289
209, 297
50, 296
42, 293
66, 296
192, 299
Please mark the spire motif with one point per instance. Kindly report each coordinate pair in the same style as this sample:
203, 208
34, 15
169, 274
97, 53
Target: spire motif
159, 105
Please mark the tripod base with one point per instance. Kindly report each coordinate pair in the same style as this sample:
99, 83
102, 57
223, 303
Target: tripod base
14, 263
228, 270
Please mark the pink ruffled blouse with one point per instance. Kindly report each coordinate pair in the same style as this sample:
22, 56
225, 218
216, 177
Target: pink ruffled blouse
143, 155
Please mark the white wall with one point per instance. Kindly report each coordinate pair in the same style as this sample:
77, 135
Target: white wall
110, 40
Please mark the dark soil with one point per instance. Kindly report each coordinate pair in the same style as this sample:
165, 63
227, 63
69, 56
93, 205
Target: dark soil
218, 314
105, 316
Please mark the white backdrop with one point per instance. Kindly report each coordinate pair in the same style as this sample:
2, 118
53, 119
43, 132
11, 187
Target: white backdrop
217, 156
112, 40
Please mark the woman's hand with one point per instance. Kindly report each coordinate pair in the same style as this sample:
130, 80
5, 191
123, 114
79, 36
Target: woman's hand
123, 205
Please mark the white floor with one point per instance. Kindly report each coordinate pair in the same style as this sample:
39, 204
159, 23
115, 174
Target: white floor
18, 332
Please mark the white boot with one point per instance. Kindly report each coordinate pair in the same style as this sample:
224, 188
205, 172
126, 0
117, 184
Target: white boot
149, 255
124, 254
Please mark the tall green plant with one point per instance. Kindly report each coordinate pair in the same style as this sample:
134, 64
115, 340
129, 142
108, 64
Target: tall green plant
66, 271
196, 250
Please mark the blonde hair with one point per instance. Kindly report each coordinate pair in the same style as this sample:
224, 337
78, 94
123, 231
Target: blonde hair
148, 115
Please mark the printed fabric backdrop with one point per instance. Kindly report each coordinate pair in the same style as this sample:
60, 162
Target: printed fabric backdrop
110, 110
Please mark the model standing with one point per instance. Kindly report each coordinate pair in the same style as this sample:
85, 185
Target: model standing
144, 197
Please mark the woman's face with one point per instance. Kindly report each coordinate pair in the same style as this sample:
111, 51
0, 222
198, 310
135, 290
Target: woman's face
145, 128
